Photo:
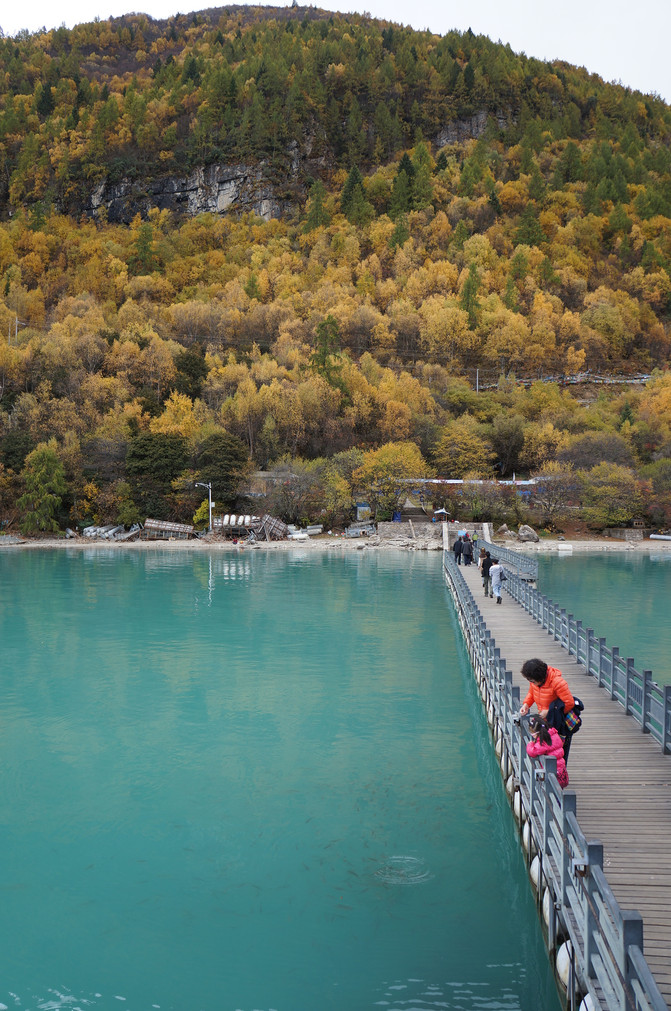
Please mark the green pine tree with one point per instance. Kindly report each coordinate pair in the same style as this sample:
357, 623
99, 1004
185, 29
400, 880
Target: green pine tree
318, 216
401, 232
353, 201
400, 195
44, 479
529, 231
469, 295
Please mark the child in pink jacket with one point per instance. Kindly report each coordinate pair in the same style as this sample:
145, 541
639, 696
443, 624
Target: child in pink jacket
546, 741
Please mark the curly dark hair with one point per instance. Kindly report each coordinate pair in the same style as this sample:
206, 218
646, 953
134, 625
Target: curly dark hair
535, 670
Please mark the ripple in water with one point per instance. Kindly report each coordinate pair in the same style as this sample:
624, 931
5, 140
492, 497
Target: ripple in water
404, 870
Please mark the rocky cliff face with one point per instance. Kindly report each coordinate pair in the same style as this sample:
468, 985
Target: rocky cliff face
216, 188
474, 126
219, 188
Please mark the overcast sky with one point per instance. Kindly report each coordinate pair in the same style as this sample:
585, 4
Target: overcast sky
621, 40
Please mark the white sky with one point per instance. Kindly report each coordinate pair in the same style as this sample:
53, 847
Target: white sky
621, 40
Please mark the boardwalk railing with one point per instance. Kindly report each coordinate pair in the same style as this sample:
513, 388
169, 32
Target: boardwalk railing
641, 697
604, 946
522, 566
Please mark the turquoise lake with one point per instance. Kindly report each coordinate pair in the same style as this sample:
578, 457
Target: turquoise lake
623, 596
251, 782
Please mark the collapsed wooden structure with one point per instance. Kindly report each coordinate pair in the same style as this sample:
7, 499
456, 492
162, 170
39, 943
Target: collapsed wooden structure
155, 530
269, 528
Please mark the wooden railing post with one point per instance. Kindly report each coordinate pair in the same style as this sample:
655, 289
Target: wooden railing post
666, 720
589, 639
594, 859
602, 650
630, 676
614, 657
645, 704
568, 806
632, 934
578, 637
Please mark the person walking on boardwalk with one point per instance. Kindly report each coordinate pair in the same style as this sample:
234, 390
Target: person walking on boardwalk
551, 695
497, 576
546, 741
467, 550
458, 548
485, 568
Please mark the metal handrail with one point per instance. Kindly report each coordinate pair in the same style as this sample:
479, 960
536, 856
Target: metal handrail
607, 943
641, 697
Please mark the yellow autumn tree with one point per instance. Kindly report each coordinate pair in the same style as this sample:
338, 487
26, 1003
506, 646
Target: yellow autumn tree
385, 476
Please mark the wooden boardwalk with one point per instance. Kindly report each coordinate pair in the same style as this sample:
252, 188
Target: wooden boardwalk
621, 778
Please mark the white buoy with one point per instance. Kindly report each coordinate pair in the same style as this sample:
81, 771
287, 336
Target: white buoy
517, 806
534, 871
587, 1004
527, 842
547, 899
499, 746
504, 764
564, 963
510, 785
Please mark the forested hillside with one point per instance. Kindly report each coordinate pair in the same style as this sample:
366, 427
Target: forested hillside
434, 215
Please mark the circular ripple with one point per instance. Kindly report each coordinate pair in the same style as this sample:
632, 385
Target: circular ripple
403, 870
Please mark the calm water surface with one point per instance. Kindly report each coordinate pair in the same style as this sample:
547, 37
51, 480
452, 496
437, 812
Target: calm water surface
250, 782
624, 597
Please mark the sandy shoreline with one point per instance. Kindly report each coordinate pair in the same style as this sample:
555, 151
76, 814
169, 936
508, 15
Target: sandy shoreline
589, 544
332, 543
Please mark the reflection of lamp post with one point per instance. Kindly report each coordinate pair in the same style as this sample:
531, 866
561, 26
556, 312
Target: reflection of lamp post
200, 484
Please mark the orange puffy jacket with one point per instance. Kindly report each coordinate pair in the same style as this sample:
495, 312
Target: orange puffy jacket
554, 687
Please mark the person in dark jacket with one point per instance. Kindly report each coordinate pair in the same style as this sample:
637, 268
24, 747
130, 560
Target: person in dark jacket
486, 579
467, 550
458, 548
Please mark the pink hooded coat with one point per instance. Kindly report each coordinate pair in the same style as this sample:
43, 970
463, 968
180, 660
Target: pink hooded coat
553, 750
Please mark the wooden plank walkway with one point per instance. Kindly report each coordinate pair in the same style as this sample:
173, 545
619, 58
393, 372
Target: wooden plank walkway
621, 777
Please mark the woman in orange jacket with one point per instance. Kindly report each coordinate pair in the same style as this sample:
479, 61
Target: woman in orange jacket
545, 685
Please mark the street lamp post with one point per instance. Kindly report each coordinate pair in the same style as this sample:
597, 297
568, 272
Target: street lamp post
200, 484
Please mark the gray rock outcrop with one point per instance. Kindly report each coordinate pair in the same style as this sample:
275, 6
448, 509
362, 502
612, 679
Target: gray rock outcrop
474, 126
527, 533
215, 188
